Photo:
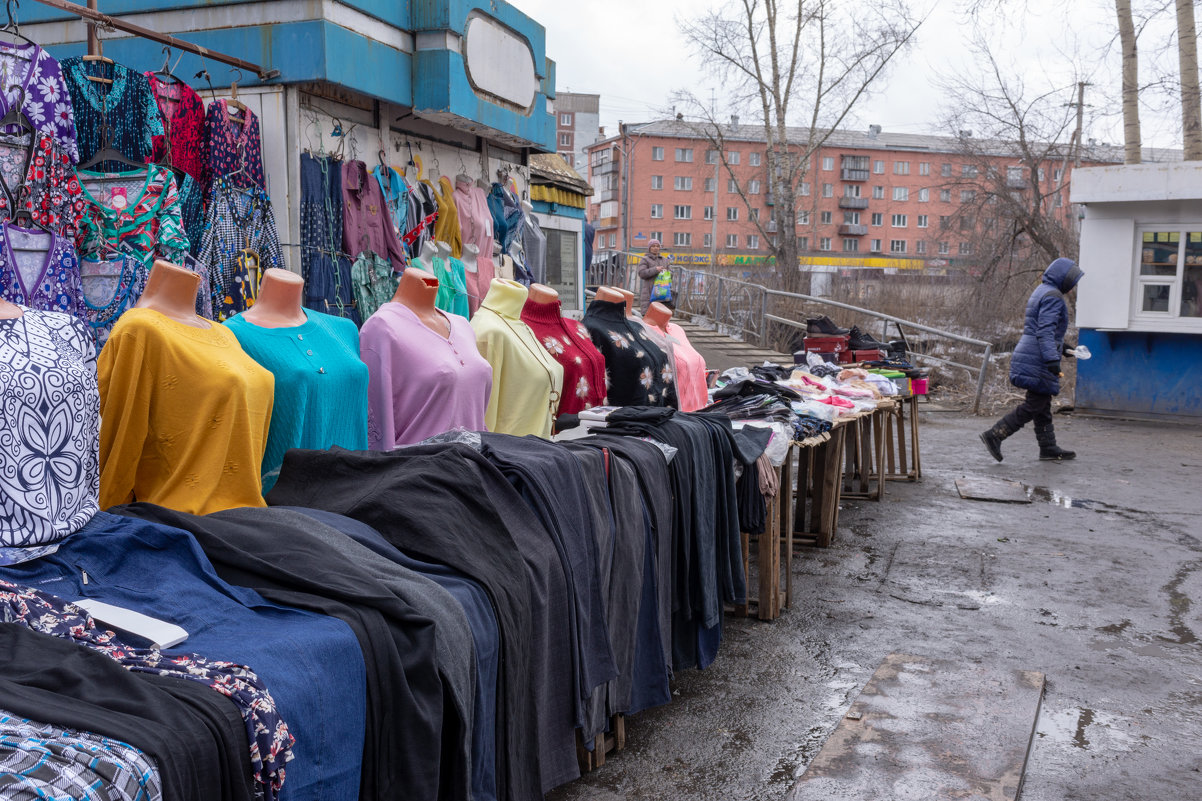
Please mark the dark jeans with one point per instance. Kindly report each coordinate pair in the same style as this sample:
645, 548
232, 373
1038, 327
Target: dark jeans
1036, 406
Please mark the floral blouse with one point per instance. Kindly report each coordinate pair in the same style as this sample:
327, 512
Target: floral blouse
39, 270
569, 343
182, 113
232, 147
47, 103
127, 107
240, 241
51, 191
49, 428
144, 222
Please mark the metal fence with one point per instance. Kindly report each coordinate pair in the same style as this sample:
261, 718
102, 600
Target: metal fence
776, 319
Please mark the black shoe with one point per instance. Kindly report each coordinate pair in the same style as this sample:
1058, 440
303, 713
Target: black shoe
824, 327
1054, 453
993, 438
858, 340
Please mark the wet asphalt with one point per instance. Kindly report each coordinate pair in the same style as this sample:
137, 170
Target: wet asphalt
1097, 583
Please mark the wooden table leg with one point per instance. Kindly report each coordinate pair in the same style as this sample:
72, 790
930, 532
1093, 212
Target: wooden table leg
878, 436
744, 609
916, 452
787, 508
828, 485
769, 562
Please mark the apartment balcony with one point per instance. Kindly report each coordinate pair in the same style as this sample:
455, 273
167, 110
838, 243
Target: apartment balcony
1016, 182
605, 168
770, 226
854, 175
608, 222
853, 202
852, 230
608, 194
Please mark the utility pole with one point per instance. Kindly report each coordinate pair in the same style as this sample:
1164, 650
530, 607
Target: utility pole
625, 188
1080, 121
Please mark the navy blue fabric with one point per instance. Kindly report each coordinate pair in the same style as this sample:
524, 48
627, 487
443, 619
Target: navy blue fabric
162, 572
1044, 325
485, 636
651, 672
325, 268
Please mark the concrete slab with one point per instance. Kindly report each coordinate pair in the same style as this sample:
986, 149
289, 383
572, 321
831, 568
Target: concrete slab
978, 488
926, 728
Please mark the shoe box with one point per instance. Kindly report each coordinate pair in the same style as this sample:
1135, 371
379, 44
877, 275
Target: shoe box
837, 344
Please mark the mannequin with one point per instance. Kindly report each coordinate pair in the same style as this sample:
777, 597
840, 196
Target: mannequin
9, 311
426, 376
639, 370
527, 381
688, 364
470, 253
505, 268
628, 298
611, 295
426, 256
443, 250
658, 315
418, 290
569, 344
320, 398
171, 291
279, 302
534, 244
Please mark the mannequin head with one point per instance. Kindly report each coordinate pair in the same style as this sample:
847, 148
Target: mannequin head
417, 289
628, 296
444, 250
171, 291
610, 295
429, 251
541, 293
279, 301
658, 315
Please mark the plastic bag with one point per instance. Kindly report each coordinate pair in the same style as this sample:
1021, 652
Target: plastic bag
661, 290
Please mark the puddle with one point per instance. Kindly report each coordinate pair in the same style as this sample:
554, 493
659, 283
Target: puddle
1179, 607
1066, 501
1082, 728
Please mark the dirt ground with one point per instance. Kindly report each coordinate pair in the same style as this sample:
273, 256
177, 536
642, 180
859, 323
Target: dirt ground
1097, 583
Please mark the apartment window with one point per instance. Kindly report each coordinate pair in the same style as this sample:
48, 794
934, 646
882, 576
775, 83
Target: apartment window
1056, 173
732, 157
899, 221
565, 140
851, 218
945, 222
968, 195
966, 223
657, 182
707, 240
755, 214
945, 170
901, 193
828, 190
711, 157
710, 184
683, 212
966, 248
683, 182
1039, 172
924, 195
874, 245
657, 154
657, 211
826, 218
828, 163
945, 196
878, 218
924, 168
803, 218
878, 167
753, 159
803, 243
922, 221
570, 158
732, 213
901, 168
805, 189
824, 243
753, 242
968, 170
897, 246
944, 249
732, 186
753, 187
681, 239
732, 240
708, 213
1058, 200
658, 235
613, 240
878, 193
920, 246
851, 245
565, 119
684, 154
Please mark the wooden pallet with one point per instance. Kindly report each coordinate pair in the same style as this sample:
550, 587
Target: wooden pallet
606, 743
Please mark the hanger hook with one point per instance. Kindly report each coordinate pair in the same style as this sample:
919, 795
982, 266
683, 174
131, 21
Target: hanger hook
166, 59
11, 7
239, 71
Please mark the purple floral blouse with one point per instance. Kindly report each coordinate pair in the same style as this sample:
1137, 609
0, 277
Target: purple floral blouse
40, 270
233, 146
47, 103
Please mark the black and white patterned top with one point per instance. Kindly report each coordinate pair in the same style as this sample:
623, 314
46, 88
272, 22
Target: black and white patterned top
49, 428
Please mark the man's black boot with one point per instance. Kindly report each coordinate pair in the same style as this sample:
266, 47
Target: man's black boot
824, 327
858, 340
994, 436
1049, 451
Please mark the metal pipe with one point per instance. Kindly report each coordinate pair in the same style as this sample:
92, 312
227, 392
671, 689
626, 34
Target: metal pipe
976, 404
94, 46
95, 19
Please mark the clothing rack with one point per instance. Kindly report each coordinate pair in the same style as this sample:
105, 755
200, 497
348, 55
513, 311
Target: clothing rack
99, 20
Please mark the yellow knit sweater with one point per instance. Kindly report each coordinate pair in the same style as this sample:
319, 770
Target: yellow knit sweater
184, 414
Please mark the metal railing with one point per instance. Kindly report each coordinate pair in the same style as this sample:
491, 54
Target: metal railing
754, 313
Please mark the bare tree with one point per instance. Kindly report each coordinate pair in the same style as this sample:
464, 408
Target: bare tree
1191, 104
1131, 135
797, 61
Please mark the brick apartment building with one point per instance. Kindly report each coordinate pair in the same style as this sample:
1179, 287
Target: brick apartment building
869, 199
577, 126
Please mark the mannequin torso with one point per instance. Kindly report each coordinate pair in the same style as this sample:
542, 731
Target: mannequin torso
628, 297
658, 315
442, 250
279, 303
470, 253
418, 290
171, 291
541, 293
610, 295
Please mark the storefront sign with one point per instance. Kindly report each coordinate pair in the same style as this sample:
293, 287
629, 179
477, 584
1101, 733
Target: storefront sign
499, 62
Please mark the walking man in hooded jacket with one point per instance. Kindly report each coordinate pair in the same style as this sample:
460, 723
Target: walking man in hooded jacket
1035, 365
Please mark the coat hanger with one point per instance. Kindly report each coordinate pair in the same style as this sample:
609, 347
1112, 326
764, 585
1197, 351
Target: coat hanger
164, 72
16, 117
107, 152
11, 28
233, 100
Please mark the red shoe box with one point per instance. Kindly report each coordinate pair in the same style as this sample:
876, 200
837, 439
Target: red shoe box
835, 344
866, 355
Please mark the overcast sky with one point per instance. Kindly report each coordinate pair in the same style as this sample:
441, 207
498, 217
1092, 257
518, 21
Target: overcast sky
632, 54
